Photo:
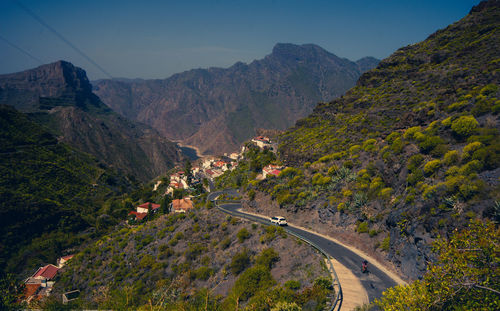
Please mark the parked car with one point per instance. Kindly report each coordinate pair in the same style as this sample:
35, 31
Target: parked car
278, 220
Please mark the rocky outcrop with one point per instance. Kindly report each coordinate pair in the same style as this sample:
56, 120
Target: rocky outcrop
217, 109
59, 96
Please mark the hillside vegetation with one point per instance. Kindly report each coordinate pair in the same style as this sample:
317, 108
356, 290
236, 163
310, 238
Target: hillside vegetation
203, 259
59, 97
409, 155
49, 193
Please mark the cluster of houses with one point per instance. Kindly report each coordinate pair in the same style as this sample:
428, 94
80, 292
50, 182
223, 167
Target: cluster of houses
208, 168
41, 283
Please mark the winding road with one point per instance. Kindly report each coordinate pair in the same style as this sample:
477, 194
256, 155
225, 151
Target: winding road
374, 282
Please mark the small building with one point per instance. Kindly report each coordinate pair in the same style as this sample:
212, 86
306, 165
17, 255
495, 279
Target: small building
234, 156
70, 296
145, 207
138, 216
182, 205
213, 173
63, 260
262, 142
274, 170
45, 273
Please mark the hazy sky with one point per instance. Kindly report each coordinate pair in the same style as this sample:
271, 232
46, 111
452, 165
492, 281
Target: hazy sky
155, 39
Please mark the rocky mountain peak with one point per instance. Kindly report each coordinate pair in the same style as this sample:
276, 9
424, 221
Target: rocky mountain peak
49, 80
304, 52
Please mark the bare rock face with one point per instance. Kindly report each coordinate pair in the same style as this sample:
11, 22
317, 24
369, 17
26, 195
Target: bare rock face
59, 96
217, 109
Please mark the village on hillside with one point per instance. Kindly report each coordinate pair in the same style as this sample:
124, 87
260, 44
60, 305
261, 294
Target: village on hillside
184, 183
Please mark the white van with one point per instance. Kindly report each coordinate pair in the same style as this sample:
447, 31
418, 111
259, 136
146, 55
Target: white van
278, 220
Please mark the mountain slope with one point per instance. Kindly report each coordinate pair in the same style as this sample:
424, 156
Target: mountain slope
412, 152
59, 96
216, 109
46, 188
182, 255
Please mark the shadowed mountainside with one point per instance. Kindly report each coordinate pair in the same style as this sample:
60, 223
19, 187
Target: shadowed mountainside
59, 96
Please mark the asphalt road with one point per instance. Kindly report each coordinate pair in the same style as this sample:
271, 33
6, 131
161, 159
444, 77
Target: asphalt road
375, 281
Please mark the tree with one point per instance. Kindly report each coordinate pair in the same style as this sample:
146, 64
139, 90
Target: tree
187, 171
10, 292
165, 204
466, 275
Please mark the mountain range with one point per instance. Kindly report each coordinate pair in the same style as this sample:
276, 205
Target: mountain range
217, 109
59, 97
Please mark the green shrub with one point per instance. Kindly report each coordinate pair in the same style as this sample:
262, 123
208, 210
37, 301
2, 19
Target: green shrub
290, 172
414, 162
489, 89
451, 157
354, 149
268, 257
391, 137
410, 132
320, 180
251, 281
225, 243
292, 285
251, 194
385, 193
386, 243
243, 234
373, 233
397, 145
239, 262
446, 122
203, 273
431, 167
428, 143
471, 148
473, 166
464, 126
362, 227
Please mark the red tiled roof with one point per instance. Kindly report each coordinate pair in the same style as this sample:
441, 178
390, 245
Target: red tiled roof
182, 204
47, 272
31, 289
275, 172
176, 185
146, 205
67, 257
139, 216
219, 163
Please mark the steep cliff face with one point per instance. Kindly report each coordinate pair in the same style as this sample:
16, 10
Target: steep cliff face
59, 96
216, 109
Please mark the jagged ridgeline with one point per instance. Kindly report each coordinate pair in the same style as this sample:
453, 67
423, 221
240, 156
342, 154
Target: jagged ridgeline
419, 135
217, 109
48, 192
59, 96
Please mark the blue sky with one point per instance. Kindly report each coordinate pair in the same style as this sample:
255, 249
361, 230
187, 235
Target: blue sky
155, 39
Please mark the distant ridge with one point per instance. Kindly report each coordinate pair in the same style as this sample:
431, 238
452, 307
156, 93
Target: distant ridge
216, 109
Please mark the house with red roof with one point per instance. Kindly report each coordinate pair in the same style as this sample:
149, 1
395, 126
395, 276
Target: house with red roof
63, 260
145, 207
138, 216
273, 170
45, 273
142, 210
